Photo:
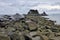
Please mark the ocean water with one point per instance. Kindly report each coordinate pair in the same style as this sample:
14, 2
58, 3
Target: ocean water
54, 17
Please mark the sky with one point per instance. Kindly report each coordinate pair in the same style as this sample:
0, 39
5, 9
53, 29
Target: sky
23, 6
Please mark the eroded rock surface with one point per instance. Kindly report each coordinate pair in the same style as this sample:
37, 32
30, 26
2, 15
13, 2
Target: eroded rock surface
31, 27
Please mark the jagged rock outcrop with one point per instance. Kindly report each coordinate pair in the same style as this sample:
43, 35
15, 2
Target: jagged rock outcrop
44, 14
33, 12
17, 16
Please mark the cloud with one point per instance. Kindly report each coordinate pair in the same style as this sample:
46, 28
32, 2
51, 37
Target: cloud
23, 6
9, 10
47, 7
5, 4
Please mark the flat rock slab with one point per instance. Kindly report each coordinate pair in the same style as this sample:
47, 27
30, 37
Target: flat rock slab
36, 38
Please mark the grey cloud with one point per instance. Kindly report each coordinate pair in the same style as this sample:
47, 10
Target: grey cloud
22, 6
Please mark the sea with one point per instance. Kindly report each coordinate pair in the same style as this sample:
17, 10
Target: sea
54, 17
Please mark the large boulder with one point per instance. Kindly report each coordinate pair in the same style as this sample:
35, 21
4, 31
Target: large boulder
32, 26
4, 36
16, 36
17, 16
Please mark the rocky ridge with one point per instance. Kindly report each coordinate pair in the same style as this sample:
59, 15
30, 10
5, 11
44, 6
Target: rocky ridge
29, 27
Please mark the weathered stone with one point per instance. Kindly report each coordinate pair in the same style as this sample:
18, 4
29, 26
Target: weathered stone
4, 36
16, 36
36, 38
44, 14
33, 33
33, 13
44, 37
57, 34
32, 26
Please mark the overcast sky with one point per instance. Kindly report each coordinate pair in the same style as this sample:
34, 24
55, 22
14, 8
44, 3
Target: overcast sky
23, 6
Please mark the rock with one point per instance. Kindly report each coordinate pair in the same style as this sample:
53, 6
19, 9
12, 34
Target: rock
36, 38
33, 12
4, 36
17, 17
44, 37
32, 26
43, 14
27, 38
57, 34
33, 33
16, 36
18, 26
10, 29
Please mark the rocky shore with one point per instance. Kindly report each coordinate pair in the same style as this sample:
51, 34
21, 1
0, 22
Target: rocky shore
28, 27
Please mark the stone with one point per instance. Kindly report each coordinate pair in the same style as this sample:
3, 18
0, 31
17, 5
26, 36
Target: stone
17, 36
36, 38
33, 33
43, 14
57, 34
44, 37
32, 26
33, 12
4, 36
